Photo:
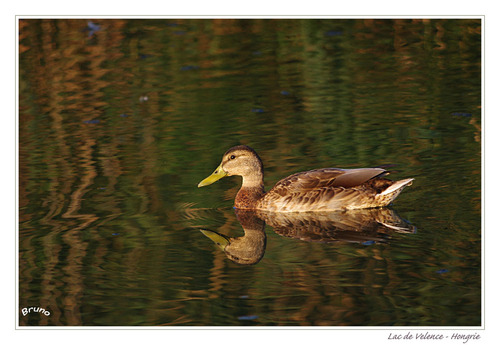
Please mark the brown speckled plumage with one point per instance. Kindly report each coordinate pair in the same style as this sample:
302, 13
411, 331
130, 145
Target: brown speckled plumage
315, 190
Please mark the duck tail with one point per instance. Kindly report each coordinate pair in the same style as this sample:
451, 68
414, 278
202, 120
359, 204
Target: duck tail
398, 185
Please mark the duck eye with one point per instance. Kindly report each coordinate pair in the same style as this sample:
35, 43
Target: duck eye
232, 157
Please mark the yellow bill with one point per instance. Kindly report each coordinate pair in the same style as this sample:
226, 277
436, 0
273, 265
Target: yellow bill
216, 175
221, 240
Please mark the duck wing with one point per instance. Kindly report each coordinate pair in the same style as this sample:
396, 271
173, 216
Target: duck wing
324, 178
320, 189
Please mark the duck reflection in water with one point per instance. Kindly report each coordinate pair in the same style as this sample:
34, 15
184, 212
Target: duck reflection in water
359, 226
247, 249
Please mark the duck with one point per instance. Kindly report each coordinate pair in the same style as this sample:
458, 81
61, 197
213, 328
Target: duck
326, 189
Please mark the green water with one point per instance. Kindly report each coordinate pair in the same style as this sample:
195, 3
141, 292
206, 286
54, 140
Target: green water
120, 119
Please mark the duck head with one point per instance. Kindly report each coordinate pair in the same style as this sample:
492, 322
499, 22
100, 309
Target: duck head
239, 160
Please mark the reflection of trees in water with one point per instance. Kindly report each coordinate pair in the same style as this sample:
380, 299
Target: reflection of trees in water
115, 128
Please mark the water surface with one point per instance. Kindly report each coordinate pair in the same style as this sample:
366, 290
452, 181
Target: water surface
120, 119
